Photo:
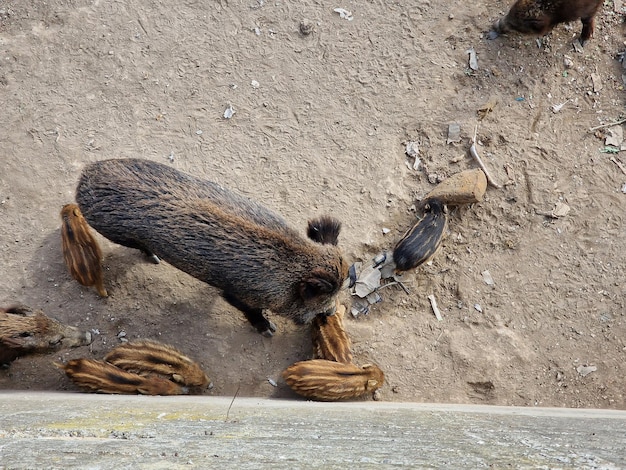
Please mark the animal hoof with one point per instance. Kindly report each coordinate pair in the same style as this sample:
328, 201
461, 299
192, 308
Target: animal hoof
154, 258
267, 329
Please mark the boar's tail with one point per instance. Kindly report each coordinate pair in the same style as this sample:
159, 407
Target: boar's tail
324, 230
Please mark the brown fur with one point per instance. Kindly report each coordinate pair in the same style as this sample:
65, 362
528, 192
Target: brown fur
215, 235
330, 340
81, 251
102, 377
541, 16
23, 331
330, 381
150, 356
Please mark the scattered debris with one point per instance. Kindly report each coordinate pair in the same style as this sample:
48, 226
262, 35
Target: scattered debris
619, 164
615, 136
454, 133
385, 230
568, 63
473, 61
474, 154
486, 108
609, 149
557, 107
229, 112
272, 382
366, 281
609, 124
560, 210
433, 304
624, 188
478, 308
586, 370
596, 82
344, 14
412, 150
487, 277
254, 84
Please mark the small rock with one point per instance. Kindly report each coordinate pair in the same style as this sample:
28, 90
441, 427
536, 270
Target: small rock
229, 112
306, 27
586, 370
568, 63
487, 277
377, 396
344, 14
478, 308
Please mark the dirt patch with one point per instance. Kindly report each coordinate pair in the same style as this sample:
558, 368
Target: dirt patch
320, 126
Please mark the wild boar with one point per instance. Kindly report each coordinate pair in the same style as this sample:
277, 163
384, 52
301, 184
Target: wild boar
81, 251
23, 331
143, 357
541, 16
330, 381
217, 236
330, 340
102, 377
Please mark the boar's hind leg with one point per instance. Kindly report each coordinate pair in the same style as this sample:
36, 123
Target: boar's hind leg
588, 27
254, 315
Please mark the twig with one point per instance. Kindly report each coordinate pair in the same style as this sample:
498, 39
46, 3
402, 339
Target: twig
395, 283
433, 304
621, 167
232, 401
474, 154
611, 124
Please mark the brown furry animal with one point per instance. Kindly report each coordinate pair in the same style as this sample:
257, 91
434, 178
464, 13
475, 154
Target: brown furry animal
150, 356
102, 377
23, 331
217, 236
330, 381
81, 251
330, 340
541, 16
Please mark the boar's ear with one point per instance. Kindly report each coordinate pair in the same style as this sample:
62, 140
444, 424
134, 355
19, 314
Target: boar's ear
324, 230
318, 283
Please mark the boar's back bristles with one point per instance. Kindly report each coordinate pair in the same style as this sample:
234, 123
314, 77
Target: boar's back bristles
151, 356
330, 381
102, 377
330, 340
422, 241
81, 251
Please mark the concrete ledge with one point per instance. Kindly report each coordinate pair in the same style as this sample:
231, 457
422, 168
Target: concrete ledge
61, 430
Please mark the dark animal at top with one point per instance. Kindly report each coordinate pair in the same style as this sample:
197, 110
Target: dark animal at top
217, 236
541, 16
23, 331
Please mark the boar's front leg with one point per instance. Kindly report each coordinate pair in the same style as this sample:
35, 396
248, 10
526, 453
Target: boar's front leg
254, 315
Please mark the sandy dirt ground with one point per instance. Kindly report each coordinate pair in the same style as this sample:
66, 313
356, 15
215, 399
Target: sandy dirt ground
320, 126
